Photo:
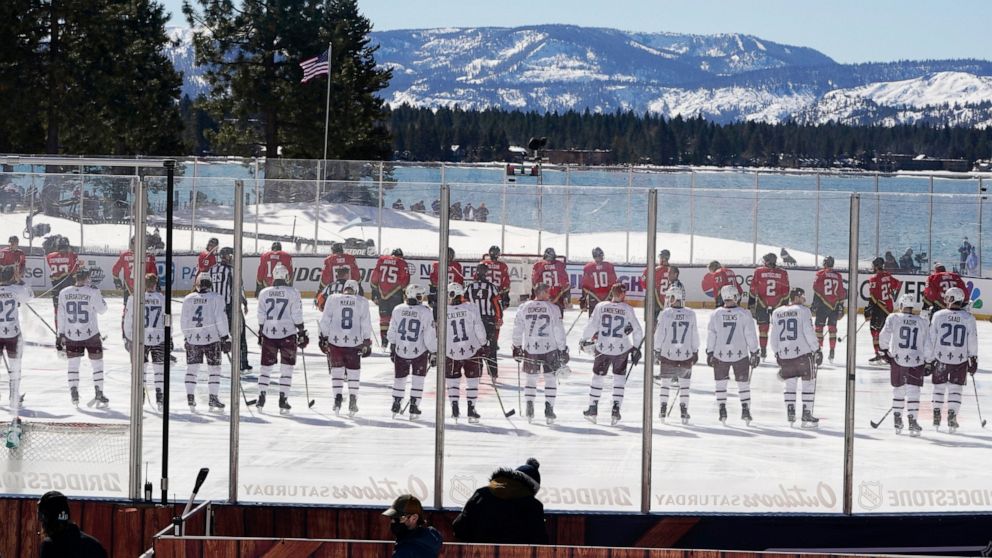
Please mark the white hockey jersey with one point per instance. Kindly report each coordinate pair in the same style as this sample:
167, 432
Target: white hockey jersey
676, 336
78, 310
731, 334
905, 337
606, 328
412, 330
154, 318
203, 318
465, 332
346, 321
953, 337
11, 298
792, 333
280, 310
537, 328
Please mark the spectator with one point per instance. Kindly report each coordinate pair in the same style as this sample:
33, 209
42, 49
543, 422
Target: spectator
972, 263
398, 204
964, 251
436, 207
414, 538
456, 211
890, 262
469, 212
419, 207
481, 213
62, 536
506, 511
906, 261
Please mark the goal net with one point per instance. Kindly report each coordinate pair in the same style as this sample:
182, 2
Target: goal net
70, 443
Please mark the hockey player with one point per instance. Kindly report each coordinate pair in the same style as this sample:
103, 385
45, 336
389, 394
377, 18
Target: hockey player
794, 343
598, 277
204, 326
413, 339
280, 333
769, 290
466, 343
333, 263
660, 282
346, 338
123, 267
718, 277
676, 341
828, 302
12, 255
614, 330
268, 262
62, 267
154, 328
455, 275
539, 343
882, 291
551, 271
732, 343
79, 332
485, 295
951, 353
903, 340
499, 274
389, 278
208, 257
336, 287
937, 284
13, 294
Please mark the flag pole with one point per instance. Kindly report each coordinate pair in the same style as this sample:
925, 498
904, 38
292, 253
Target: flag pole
323, 161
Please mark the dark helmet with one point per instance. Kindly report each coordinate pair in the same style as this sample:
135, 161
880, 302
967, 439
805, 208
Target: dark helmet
878, 262
939, 267
451, 254
63, 243
82, 274
714, 265
213, 242
398, 253
277, 245
665, 254
796, 292
494, 251
549, 254
597, 252
337, 248
770, 259
7, 274
203, 283
14, 240
225, 252
481, 271
828, 261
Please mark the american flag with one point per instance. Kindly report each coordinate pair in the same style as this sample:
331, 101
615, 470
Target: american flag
313, 67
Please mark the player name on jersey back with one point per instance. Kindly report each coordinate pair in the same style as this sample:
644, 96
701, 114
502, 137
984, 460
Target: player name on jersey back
78, 310
792, 332
905, 336
731, 334
11, 297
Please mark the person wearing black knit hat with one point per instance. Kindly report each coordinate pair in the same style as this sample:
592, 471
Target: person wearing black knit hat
505, 511
62, 536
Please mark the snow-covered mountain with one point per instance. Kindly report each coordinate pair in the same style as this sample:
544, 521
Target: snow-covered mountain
724, 77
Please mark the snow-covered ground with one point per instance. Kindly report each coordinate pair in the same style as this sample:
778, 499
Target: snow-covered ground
313, 456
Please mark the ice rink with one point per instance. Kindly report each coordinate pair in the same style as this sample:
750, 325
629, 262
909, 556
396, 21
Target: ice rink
313, 456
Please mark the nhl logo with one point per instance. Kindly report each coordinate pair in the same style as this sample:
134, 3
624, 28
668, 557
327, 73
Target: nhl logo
870, 496
462, 487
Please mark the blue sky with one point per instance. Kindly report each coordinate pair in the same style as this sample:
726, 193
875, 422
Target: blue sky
846, 30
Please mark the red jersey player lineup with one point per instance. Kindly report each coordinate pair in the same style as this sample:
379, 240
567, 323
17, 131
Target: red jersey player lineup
597, 279
335, 261
552, 273
268, 262
124, 263
390, 275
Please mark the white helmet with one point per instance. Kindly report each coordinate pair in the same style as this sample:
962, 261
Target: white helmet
907, 301
729, 292
455, 289
415, 291
351, 285
953, 295
675, 294
280, 273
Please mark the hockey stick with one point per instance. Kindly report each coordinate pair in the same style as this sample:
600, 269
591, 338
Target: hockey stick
876, 424
306, 381
571, 327
506, 413
632, 365
841, 339
977, 404
35, 312
248, 403
519, 385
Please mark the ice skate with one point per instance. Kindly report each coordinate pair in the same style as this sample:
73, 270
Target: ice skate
397, 407
936, 417
746, 413
830, 356
159, 399
790, 413
473, 415
684, 413
99, 400
338, 400
284, 406
663, 411
808, 420
214, 404
952, 421
591, 412
877, 360
897, 422
261, 400
13, 437
352, 404
764, 353
615, 414
74, 394
529, 413
191, 401
454, 410
414, 408
723, 413
914, 427
549, 413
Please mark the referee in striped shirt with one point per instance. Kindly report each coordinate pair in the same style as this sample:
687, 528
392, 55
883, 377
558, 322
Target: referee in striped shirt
485, 294
222, 278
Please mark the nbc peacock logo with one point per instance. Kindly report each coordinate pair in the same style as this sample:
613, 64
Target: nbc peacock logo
975, 295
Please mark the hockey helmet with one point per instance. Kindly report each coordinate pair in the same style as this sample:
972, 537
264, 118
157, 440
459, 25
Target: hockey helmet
455, 290
597, 253
770, 259
954, 295
280, 273
714, 265
618, 292
481, 271
351, 285
63, 243
337, 248
397, 252
212, 243
907, 301
797, 293
14, 240
203, 283
675, 295
226, 252
82, 274
729, 292
415, 292
878, 263
939, 267
828, 261
665, 255
549, 254
494, 251
276, 246
6, 275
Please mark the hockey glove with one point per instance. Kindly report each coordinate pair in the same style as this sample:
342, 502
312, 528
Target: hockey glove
886, 357
505, 300
118, 284
628, 329
225, 344
710, 360
392, 353
868, 312
563, 356
583, 302
585, 343
818, 357
259, 336
928, 368
376, 296
60, 343
635, 356
518, 354
755, 359
366, 348
302, 339
694, 359
973, 365
323, 345
433, 361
